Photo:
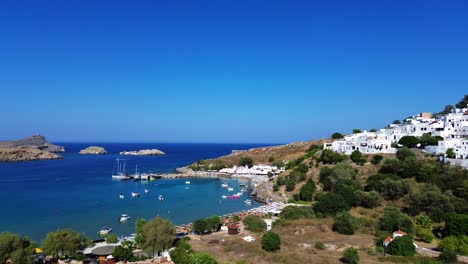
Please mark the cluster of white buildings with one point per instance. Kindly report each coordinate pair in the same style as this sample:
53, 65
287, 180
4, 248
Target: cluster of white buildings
257, 173
452, 127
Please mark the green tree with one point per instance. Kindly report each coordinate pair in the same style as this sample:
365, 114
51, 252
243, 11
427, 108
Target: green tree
278, 163
355, 131
307, 191
463, 103
254, 223
456, 225
409, 141
345, 223
122, 253
456, 244
447, 109
271, 241
290, 184
428, 140
404, 153
450, 153
329, 204
139, 238
181, 253
63, 242
16, 248
402, 246
356, 157
213, 222
202, 258
246, 161
393, 219
112, 239
373, 130
448, 257
396, 122
200, 226
376, 159
159, 235
423, 221
281, 180
337, 135
351, 256
370, 199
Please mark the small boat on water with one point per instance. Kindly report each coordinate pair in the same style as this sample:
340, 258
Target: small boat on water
135, 194
147, 191
144, 176
104, 231
225, 185
121, 196
248, 202
230, 189
244, 189
186, 188
160, 197
239, 194
124, 218
120, 170
224, 196
187, 182
242, 184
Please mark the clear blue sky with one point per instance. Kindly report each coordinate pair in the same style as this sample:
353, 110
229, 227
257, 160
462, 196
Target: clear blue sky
225, 70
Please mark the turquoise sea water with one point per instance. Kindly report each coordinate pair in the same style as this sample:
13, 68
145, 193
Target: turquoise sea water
78, 192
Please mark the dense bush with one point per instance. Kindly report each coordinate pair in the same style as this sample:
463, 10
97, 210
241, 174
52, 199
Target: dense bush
296, 212
409, 141
281, 180
271, 241
456, 225
201, 258
404, 153
331, 157
290, 184
246, 161
254, 223
370, 199
337, 135
376, 159
112, 239
329, 204
344, 223
455, 244
448, 257
393, 219
402, 246
307, 191
390, 186
18, 249
356, 157
122, 253
351, 256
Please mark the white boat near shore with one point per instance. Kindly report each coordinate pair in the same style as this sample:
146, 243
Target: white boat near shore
124, 218
135, 194
120, 170
104, 231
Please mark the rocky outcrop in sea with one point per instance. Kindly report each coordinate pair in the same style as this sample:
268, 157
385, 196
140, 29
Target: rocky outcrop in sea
31, 148
144, 152
93, 150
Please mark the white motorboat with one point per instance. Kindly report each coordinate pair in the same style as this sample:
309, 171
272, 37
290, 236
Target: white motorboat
248, 201
160, 197
225, 185
187, 182
135, 194
121, 196
230, 189
104, 231
147, 191
124, 218
144, 176
186, 188
224, 197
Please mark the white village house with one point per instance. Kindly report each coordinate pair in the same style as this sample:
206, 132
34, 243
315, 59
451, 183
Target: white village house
452, 127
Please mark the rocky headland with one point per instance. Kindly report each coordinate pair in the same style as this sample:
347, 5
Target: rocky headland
31, 148
143, 152
93, 150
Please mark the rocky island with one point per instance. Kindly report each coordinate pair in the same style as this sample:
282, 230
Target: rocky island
144, 152
93, 150
34, 147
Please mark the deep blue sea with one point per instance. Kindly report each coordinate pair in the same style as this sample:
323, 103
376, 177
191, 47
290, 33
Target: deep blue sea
78, 192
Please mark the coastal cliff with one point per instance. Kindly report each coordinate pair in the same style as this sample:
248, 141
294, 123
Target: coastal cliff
34, 147
93, 150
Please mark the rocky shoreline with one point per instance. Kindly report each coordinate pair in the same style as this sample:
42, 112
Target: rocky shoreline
31, 148
143, 152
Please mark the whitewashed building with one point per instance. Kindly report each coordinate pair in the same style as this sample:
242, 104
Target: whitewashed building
452, 127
